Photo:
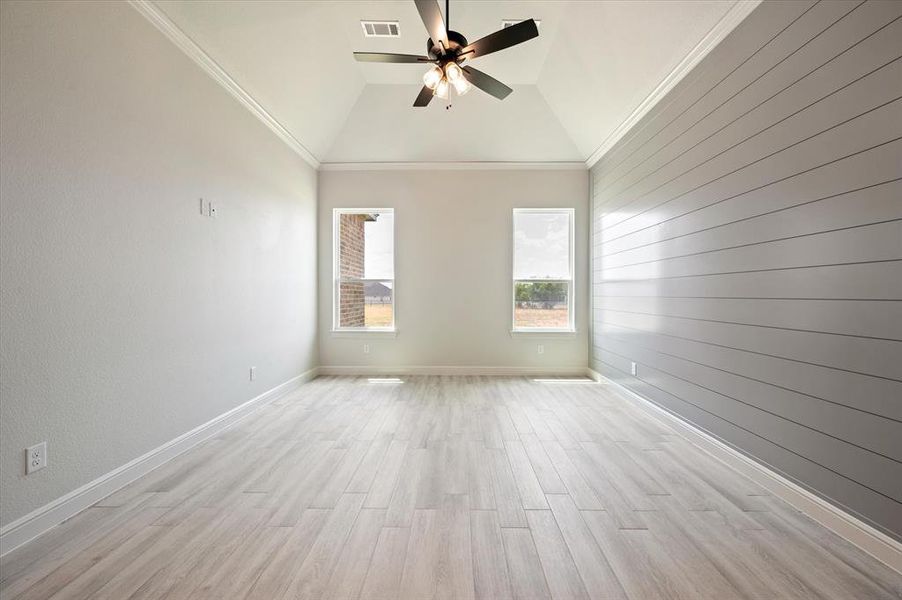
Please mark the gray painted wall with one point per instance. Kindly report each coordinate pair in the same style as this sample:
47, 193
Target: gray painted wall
445, 243
127, 318
747, 250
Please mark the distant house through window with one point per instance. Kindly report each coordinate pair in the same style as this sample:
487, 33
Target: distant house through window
543, 269
364, 269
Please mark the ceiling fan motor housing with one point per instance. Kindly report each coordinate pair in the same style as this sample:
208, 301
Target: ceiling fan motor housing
456, 41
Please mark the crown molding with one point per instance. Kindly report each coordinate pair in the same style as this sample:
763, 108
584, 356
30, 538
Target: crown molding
453, 166
737, 13
159, 20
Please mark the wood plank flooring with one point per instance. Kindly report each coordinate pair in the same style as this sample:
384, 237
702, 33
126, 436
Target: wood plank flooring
444, 487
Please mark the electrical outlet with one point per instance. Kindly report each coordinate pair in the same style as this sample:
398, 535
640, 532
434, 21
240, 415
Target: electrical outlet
634, 368
540, 348
253, 373
35, 458
366, 348
207, 208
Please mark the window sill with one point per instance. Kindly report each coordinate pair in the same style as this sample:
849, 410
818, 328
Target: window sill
354, 333
543, 332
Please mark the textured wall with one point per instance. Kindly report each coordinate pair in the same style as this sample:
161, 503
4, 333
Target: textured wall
453, 267
127, 318
748, 249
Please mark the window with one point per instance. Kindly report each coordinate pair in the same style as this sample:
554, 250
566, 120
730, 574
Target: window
543, 269
364, 270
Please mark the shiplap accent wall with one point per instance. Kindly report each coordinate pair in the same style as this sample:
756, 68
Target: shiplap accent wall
747, 250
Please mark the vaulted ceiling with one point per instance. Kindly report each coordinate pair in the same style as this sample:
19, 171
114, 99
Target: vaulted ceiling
592, 65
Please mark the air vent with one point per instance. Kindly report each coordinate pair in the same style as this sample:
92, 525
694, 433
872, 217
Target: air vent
381, 28
505, 23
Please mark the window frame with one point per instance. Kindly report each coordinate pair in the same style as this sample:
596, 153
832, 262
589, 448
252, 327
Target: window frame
571, 282
336, 270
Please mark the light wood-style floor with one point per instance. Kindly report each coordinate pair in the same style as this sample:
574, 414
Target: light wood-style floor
444, 487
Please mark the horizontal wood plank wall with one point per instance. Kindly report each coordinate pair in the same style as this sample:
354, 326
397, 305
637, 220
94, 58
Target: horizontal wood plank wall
747, 250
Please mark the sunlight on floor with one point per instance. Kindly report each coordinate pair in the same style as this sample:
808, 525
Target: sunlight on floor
582, 380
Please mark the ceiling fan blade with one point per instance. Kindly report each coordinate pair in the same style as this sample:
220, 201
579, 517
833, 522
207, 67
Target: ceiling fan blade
385, 57
424, 97
431, 14
487, 83
503, 38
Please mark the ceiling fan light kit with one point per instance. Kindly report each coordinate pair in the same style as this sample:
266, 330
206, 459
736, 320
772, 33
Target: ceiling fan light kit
441, 90
453, 72
461, 86
447, 50
432, 77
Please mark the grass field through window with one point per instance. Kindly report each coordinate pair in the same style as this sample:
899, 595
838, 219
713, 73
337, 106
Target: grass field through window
555, 318
377, 315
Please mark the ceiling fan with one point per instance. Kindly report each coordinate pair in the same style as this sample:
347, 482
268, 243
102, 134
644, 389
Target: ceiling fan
447, 50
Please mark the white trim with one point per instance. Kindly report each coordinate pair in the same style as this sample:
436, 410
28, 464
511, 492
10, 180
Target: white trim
868, 538
453, 166
538, 332
41, 520
153, 14
364, 370
739, 11
363, 333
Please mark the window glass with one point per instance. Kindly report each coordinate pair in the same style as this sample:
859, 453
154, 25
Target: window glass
364, 268
543, 269
541, 245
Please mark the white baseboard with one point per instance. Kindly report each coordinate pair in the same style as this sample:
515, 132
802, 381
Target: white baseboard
449, 370
874, 542
41, 520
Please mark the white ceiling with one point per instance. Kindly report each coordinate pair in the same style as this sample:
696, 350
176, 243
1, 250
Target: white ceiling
592, 65
478, 127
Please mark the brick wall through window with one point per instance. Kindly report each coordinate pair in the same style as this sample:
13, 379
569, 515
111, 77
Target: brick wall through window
351, 310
